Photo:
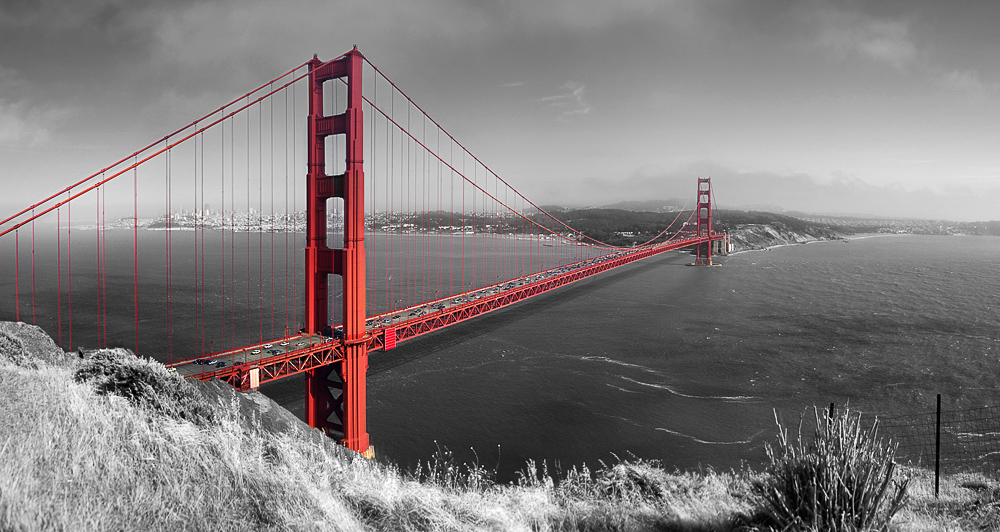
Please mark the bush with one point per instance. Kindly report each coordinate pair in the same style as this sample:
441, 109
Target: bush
842, 480
143, 382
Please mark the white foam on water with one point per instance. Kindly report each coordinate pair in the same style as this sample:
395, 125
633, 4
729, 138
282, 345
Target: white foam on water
625, 389
619, 363
734, 398
706, 442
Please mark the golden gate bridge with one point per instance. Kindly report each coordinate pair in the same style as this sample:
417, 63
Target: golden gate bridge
405, 232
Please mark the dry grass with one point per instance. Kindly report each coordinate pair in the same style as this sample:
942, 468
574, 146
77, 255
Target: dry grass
966, 502
76, 456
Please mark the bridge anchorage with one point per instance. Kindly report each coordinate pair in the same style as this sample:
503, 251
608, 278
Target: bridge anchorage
459, 239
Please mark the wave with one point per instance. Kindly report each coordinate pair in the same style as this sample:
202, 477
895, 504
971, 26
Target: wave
976, 434
706, 442
733, 398
620, 363
625, 389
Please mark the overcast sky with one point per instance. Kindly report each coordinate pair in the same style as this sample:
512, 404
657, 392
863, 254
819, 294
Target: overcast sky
883, 107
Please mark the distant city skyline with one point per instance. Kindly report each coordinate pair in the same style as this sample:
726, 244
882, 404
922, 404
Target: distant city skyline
874, 108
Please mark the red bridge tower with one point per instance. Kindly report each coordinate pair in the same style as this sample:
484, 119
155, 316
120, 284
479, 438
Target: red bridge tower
704, 250
335, 394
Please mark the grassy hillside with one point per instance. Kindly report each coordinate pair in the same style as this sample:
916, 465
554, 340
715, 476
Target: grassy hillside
111, 442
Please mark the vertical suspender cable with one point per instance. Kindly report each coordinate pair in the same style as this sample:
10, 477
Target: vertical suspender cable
222, 214
271, 160
440, 209
59, 272
195, 210
69, 267
199, 207
451, 241
232, 226
104, 261
135, 248
34, 316
463, 288
371, 249
260, 219
408, 187
475, 230
170, 215
249, 321
332, 287
97, 210
389, 208
425, 172
17, 275
287, 213
204, 315
370, 262
102, 314
295, 202
388, 213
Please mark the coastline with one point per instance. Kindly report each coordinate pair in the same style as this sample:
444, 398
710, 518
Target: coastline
842, 238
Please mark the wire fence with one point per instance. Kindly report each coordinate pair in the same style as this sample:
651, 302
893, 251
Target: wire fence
946, 441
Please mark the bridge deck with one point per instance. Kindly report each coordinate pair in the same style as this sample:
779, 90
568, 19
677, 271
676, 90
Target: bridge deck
287, 356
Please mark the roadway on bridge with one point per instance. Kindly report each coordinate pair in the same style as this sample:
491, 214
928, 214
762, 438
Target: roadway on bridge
243, 355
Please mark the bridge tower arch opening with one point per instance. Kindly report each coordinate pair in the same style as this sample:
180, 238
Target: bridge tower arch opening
335, 398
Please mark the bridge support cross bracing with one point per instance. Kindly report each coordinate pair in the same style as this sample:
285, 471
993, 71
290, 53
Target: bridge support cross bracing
704, 213
336, 394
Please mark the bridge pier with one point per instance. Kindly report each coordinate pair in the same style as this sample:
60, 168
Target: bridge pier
335, 398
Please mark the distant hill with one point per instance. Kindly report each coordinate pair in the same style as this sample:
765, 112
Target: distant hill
670, 205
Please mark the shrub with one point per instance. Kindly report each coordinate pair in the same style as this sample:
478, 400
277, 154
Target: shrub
842, 480
143, 382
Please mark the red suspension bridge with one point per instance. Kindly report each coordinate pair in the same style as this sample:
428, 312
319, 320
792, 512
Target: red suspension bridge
195, 248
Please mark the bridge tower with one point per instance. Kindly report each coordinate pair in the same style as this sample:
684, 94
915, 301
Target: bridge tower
704, 250
336, 393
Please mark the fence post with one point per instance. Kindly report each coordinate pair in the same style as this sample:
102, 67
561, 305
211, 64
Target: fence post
832, 406
937, 449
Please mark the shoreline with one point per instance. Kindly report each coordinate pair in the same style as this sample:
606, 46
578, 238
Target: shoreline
843, 238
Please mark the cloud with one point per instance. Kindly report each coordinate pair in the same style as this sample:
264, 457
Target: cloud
20, 121
579, 14
513, 84
968, 82
882, 41
570, 103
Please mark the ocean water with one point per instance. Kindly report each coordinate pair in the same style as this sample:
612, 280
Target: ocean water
685, 365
